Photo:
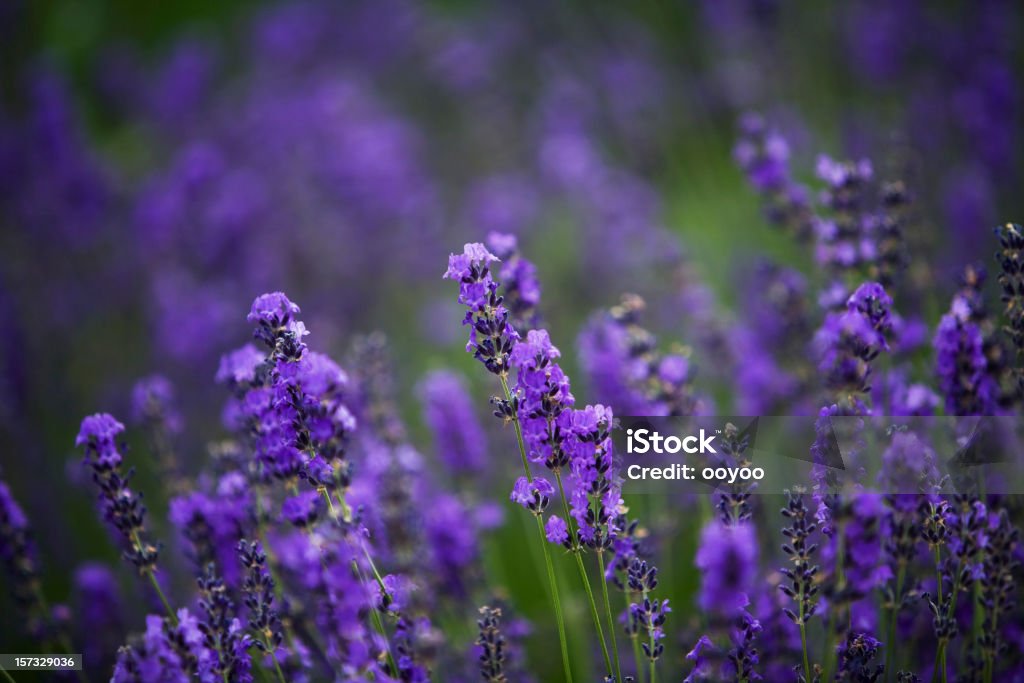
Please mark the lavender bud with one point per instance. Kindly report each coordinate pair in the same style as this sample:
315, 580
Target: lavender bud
492, 645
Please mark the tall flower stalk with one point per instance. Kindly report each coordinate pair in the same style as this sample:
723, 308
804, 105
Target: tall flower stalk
121, 506
491, 341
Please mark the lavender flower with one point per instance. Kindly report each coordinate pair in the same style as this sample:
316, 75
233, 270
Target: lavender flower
704, 656
961, 365
801, 550
847, 342
647, 615
458, 435
556, 530
544, 396
997, 587
743, 656
492, 645
763, 155
1011, 279
856, 657
533, 495
264, 622
153, 402
520, 288
20, 564
727, 559
98, 600
164, 652
628, 372
276, 324
487, 315
408, 637
302, 509
223, 633
121, 506
292, 401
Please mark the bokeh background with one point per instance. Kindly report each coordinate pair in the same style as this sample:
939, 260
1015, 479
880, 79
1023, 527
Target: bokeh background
161, 164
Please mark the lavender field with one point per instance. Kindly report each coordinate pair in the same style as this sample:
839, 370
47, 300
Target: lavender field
324, 323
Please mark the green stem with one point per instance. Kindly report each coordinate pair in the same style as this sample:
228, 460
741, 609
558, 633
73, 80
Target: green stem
362, 546
593, 611
608, 613
156, 584
803, 636
891, 628
277, 666
555, 598
949, 615
835, 620
636, 640
378, 623
576, 550
803, 646
519, 431
651, 668
163, 598
8, 677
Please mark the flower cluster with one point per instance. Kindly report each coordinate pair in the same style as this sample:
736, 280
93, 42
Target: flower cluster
491, 335
763, 155
121, 506
628, 372
847, 342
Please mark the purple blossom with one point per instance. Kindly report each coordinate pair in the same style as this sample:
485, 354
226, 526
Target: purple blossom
239, 366
99, 431
961, 364
471, 270
153, 401
453, 542
727, 559
847, 342
762, 153
628, 373
302, 509
19, 561
856, 657
556, 530
458, 435
532, 495
272, 310
157, 657
258, 588
121, 506
273, 315
544, 396
704, 656
487, 316
98, 601
394, 595
520, 287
